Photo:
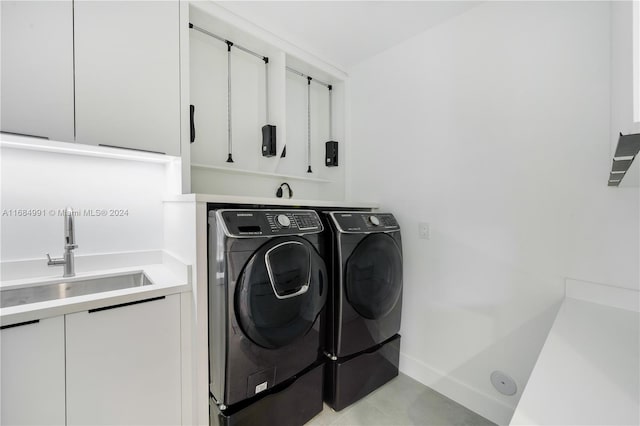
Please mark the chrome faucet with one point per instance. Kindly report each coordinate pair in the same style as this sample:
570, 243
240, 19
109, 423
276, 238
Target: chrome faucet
69, 244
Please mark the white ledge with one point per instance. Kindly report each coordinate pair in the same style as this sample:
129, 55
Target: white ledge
589, 368
240, 199
258, 173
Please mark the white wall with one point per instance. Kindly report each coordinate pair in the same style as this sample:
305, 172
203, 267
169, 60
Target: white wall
494, 128
45, 181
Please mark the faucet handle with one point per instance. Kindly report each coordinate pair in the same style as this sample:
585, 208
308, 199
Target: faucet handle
55, 261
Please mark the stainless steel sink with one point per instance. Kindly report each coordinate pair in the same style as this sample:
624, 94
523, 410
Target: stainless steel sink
70, 288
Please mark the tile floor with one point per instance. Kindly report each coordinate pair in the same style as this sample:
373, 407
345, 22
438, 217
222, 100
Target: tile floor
402, 401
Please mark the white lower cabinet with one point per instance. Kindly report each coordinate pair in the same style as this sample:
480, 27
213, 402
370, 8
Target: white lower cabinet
123, 364
117, 365
32, 373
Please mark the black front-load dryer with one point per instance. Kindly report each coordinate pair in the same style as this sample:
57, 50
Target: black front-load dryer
267, 289
364, 304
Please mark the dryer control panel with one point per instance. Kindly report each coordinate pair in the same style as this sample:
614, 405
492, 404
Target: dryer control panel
364, 222
269, 223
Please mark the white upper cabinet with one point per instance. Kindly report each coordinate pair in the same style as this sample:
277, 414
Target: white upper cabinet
127, 74
37, 68
32, 371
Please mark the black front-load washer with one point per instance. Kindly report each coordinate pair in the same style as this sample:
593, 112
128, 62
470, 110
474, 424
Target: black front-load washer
267, 289
364, 304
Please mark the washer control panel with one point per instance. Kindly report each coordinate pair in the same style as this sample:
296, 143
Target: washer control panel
269, 223
355, 222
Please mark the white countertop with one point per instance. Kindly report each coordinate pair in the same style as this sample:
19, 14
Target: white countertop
167, 274
238, 199
588, 372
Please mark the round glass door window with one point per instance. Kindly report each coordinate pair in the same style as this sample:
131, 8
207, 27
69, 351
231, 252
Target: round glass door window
280, 292
373, 276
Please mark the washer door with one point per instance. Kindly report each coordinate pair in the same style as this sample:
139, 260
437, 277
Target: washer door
373, 276
280, 292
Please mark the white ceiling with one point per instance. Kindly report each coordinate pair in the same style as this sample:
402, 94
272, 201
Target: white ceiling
344, 33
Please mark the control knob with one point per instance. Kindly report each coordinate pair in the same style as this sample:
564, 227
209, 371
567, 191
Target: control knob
283, 220
374, 220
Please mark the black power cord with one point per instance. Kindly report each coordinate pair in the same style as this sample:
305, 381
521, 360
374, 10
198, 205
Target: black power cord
279, 192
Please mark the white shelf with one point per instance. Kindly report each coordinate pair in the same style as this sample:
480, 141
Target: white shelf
258, 173
241, 199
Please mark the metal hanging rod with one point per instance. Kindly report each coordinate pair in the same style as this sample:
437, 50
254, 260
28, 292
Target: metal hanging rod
229, 43
330, 116
266, 90
309, 125
327, 85
229, 137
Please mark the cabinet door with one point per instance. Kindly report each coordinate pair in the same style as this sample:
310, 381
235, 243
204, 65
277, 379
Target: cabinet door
123, 364
37, 68
32, 370
127, 74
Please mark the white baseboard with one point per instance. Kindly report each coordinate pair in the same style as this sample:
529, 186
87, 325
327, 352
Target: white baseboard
473, 399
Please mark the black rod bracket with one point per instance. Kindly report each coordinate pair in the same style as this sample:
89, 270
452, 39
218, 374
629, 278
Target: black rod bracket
301, 74
229, 44
309, 80
626, 152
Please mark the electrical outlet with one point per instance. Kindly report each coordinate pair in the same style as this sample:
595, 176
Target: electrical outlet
423, 231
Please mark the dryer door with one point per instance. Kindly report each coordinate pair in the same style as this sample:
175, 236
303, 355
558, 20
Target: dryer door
373, 276
280, 292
